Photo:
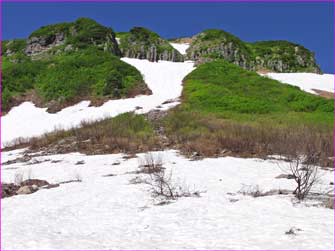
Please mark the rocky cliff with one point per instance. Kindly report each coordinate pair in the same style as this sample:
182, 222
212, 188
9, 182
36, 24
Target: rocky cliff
278, 56
142, 43
82, 33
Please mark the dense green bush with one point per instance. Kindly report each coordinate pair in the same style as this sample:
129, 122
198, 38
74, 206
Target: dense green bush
63, 77
85, 73
17, 78
13, 46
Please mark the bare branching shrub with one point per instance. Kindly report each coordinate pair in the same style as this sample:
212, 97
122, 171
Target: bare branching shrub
22, 175
127, 132
18, 178
251, 190
163, 185
305, 175
160, 181
150, 163
77, 176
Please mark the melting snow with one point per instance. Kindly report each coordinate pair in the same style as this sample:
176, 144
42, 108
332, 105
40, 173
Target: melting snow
181, 47
306, 81
110, 213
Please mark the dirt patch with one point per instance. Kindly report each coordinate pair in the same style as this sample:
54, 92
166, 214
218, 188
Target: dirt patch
324, 94
263, 71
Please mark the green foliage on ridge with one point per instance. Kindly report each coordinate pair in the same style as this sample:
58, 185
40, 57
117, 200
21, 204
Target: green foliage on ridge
228, 91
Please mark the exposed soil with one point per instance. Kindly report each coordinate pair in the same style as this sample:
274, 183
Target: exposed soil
325, 94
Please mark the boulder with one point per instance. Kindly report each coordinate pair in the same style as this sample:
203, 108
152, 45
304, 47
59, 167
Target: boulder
25, 190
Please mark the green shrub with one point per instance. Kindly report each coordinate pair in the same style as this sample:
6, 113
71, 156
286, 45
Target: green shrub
85, 73
78, 74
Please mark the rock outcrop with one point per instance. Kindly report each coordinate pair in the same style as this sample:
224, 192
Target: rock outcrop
37, 45
144, 44
277, 56
82, 33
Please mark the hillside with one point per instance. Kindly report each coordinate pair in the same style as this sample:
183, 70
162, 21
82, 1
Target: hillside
224, 89
61, 64
277, 56
228, 110
128, 141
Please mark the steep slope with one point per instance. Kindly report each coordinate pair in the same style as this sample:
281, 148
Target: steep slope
228, 110
142, 43
220, 87
61, 64
278, 56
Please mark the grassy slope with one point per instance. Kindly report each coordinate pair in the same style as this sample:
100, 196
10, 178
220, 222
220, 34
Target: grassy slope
228, 91
229, 110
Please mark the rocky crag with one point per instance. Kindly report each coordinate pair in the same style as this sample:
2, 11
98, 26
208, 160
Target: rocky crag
142, 43
277, 56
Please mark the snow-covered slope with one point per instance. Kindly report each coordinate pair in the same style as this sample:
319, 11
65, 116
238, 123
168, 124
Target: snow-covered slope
306, 81
110, 213
181, 47
163, 78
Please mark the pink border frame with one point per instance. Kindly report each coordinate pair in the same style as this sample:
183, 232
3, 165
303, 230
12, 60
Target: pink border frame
155, 1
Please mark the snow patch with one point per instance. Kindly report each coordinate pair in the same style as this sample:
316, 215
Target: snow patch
306, 81
181, 47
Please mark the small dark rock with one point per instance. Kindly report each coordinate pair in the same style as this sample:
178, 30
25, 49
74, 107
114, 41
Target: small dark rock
80, 162
8, 190
109, 175
293, 231
55, 161
285, 176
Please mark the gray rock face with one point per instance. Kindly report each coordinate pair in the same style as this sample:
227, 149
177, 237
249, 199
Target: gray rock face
278, 56
228, 51
37, 45
152, 53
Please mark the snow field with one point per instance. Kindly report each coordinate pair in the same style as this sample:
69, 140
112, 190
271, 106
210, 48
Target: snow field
110, 213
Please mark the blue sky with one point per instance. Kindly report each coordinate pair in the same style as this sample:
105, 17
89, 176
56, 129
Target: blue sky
309, 24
